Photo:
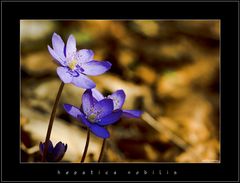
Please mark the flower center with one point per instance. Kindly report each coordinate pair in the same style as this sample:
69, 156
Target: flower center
72, 64
92, 118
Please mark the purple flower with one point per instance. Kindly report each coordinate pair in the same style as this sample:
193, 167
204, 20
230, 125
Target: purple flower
76, 64
95, 114
54, 154
118, 98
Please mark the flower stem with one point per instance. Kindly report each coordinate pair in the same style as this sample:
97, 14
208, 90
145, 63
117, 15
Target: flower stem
86, 146
101, 153
51, 121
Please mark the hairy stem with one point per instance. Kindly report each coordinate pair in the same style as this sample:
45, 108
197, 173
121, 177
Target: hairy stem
86, 146
51, 121
101, 153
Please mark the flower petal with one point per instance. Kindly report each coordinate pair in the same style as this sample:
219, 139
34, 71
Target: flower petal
72, 110
58, 46
87, 102
132, 113
55, 56
94, 68
103, 108
59, 151
83, 81
99, 131
111, 118
64, 75
84, 120
42, 145
71, 46
97, 95
118, 98
84, 55
76, 113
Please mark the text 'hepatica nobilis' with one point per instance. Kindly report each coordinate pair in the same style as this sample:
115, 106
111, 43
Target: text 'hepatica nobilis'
75, 64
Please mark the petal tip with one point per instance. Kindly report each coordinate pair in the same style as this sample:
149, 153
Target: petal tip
109, 63
50, 49
66, 146
67, 107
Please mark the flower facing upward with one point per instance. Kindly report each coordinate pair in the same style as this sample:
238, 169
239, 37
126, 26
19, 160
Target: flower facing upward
95, 114
54, 154
118, 98
75, 65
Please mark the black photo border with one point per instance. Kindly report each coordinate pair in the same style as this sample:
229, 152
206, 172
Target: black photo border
13, 170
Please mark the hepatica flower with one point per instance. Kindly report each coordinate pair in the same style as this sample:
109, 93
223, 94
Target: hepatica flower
75, 64
54, 154
95, 114
118, 98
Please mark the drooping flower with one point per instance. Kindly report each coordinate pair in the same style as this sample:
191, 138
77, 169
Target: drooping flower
54, 154
118, 98
76, 64
95, 114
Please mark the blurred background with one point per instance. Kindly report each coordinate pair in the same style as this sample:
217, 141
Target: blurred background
168, 69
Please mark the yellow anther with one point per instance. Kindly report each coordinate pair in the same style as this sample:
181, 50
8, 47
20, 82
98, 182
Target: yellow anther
92, 117
72, 64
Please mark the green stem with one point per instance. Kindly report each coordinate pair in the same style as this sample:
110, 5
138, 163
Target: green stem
101, 153
51, 121
86, 146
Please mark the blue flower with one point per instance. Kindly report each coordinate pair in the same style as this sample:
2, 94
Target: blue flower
54, 154
95, 114
75, 65
118, 98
